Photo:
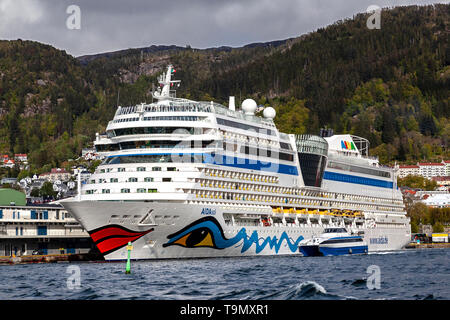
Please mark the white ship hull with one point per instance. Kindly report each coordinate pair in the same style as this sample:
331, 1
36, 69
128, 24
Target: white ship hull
177, 230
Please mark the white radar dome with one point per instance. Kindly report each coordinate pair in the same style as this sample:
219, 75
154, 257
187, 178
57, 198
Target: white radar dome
249, 106
269, 113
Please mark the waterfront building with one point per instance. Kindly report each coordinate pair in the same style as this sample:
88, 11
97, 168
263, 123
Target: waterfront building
43, 228
40, 229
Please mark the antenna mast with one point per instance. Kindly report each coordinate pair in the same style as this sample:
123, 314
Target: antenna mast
165, 81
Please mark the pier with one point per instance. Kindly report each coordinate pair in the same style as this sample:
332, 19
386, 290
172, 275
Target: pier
427, 245
51, 258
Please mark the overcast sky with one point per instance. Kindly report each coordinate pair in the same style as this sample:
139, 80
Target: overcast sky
109, 25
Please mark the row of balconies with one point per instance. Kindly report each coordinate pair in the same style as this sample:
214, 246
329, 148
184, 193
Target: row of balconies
242, 196
216, 183
239, 175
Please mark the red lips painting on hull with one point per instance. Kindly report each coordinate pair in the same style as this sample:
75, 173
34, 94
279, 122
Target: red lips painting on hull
112, 237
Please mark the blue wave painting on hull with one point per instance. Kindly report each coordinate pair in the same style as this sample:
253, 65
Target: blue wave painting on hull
207, 232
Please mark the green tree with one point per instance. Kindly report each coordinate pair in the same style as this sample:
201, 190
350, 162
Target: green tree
47, 190
438, 227
35, 192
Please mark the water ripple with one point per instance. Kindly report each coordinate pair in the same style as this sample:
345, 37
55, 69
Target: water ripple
250, 278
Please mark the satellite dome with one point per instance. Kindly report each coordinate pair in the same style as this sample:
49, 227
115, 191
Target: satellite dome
249, 106
269, 113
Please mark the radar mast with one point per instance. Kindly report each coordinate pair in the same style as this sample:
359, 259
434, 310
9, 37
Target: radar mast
166, 82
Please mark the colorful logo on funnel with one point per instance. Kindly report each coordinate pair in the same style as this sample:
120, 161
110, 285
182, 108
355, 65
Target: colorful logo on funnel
348, 145
207, 232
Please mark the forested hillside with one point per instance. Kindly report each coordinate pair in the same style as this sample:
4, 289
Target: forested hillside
390, 85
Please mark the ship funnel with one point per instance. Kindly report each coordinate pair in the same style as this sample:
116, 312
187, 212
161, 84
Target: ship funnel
231, 104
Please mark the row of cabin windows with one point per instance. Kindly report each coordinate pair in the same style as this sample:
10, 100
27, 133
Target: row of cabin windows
164, 118
139, 169
125, 190
131, 179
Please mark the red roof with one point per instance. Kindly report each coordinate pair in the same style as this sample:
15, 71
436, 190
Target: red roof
446, 178
410, 166
430, 164
446, 161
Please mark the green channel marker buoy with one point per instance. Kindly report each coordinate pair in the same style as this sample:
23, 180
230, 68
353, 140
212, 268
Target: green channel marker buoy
128, 268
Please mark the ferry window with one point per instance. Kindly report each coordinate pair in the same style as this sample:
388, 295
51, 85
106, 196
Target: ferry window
105, 191
245, 126
132, 179
141, 190
351, 168
141, 169
171, 169
148, 179
156, 169
152, 190
166, 179
286, 156
120, 169
113, 180
155, 130
107, 147
125, 190
285, 145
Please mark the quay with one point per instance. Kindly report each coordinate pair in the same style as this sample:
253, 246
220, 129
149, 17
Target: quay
51, 258
427, 245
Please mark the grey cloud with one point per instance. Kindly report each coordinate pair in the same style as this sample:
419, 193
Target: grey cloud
108, 25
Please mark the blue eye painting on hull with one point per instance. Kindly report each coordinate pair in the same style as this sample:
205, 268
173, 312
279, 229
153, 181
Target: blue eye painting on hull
207, 232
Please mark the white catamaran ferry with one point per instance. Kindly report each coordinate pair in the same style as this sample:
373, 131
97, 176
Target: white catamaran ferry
183, 179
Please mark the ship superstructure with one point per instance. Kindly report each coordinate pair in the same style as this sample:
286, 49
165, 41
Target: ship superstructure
183, 178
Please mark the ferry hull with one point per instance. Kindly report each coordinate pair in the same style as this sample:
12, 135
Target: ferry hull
178, 230
341, 250
310, 251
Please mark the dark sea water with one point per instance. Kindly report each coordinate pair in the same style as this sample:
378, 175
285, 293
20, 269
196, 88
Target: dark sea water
408, 274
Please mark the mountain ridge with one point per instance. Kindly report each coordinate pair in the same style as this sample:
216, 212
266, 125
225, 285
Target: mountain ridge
389, 85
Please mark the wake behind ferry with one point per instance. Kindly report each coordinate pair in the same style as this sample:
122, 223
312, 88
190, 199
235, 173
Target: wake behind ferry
184, 179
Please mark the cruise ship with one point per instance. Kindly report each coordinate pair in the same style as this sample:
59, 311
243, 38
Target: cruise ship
190, 179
